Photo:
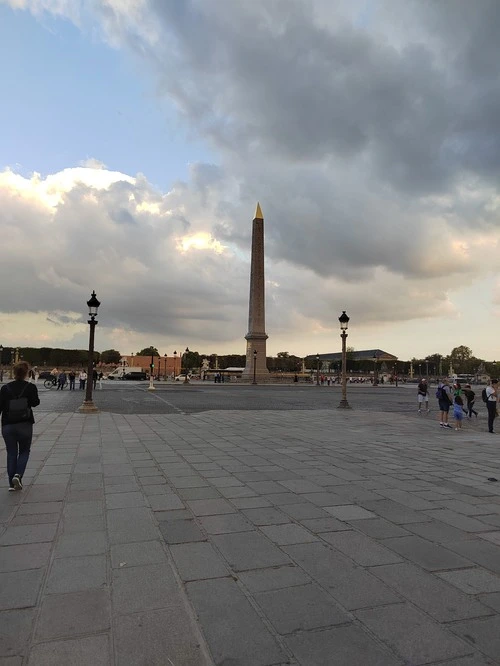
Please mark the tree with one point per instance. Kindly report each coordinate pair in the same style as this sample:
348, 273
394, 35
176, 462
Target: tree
110, 356
148, 351
282, 355
461, 354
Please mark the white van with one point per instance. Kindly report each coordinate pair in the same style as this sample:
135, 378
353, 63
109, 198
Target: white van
123, 370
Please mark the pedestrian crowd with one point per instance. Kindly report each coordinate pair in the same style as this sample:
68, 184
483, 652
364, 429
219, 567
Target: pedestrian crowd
460, 401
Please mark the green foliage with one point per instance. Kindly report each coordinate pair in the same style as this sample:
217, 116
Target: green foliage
110, 356
148, 351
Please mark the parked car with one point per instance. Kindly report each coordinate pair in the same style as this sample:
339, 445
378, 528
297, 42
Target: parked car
135, 376
181, 378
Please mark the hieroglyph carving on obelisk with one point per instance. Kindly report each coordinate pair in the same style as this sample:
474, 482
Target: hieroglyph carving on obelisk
256, 336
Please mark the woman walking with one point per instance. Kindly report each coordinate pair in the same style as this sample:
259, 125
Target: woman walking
16, 401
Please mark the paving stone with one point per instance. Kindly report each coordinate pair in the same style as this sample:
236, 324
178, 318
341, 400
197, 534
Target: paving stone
226, 523
127, 525
83, 524
304, 511
483, 634
35, 519
266, 516
181, 531
249, 550
141, 639
263, 580
47, 493
210, 507
379, 528
411, 634
198, 493
288, 534
72, 574
84, 495
195, 561
78, 652
472, 581
19, 589
430, 593
78, 509
124, 500
352, 586
347, 645
438, 532
250, 502
324, 499
361, 548
457, 520
188, 482
428, 555
25, 556
282, 499
319, 525
40, 507
394, 512
15, 631
480, 552
81, 543
491, 600
223, 610
301, 486
69, 615
349, 512
300, 608
28, 534
142, 588
137, 554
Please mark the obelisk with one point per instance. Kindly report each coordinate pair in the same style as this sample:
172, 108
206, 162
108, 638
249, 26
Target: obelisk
256, 337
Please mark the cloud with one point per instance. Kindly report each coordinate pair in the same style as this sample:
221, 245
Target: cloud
369, 136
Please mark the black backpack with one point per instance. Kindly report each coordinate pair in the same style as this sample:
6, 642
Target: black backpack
18, 409
484, 395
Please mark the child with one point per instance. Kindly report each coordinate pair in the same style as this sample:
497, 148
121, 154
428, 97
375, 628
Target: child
458, 412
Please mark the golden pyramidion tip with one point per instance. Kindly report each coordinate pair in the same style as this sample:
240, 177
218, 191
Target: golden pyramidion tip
258, 212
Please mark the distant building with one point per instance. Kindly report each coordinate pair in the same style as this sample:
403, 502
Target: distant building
164, 365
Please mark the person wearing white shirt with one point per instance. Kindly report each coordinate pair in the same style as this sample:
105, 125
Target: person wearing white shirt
491, 403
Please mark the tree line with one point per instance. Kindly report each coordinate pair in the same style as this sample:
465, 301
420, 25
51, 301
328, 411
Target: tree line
461, 359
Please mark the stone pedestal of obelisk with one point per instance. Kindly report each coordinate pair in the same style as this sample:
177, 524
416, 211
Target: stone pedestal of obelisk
256, 336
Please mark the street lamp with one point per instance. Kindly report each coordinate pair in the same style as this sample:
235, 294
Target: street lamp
254, 366
175, 363
427, 369
317, 369
375, 372
396, 371
420, 370
186, 380
88, 406
344, 323
151, 386
165, 375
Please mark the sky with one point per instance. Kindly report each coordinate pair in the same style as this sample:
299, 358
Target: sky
138, 136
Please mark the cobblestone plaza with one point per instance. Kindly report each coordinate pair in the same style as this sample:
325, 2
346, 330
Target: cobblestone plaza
251, 526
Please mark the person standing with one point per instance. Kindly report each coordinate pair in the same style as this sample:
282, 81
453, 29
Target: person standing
491, 403
94, 378
61, 380
71, 377
443, 394
423, 396
99, 377
17, 398
458, 412
471, 397
82, 378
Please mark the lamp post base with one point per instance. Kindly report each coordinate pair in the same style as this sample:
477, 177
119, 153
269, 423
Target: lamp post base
343, 404
151, 387
88, 407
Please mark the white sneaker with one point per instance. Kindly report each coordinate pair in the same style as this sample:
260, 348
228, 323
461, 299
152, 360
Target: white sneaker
16, 482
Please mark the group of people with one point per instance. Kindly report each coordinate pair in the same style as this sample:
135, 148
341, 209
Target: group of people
62, 378
461, 400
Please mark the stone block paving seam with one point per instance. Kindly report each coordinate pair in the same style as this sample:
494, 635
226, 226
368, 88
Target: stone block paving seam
212, 471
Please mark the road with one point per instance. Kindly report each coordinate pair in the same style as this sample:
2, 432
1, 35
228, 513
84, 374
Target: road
134, 398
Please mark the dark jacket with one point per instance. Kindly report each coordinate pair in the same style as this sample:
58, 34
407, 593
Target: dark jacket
12, 390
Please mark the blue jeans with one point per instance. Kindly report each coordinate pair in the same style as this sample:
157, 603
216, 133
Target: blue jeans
17, 437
